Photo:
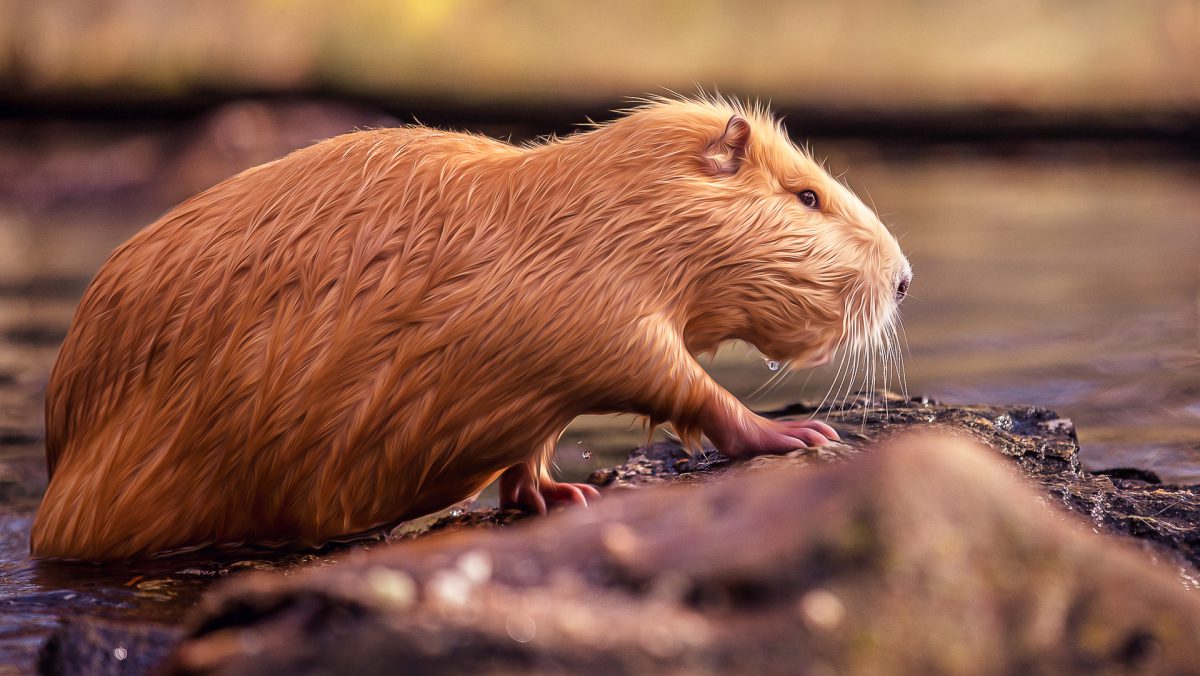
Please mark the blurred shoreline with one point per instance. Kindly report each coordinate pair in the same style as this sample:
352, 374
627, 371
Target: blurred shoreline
1178, 128
56, 153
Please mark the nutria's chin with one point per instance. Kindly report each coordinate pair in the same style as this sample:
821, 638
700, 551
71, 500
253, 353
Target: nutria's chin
379, 325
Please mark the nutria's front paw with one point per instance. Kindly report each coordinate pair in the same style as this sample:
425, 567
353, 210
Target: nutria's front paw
520, 489
755, 435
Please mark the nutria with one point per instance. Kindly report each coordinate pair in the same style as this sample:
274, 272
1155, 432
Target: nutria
377, 326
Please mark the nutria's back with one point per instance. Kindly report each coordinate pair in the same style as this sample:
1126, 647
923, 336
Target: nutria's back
176, 383
379, 325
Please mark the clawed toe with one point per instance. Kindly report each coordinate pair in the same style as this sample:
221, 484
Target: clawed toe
520, 490
813, 432
754, 435
566, 493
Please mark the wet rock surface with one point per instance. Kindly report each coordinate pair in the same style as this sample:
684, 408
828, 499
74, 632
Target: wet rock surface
926, 556
1125, 501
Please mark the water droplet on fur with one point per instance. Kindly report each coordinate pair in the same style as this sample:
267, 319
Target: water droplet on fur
773, 365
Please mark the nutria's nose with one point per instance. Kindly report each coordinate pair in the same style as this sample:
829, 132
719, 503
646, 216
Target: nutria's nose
902, 286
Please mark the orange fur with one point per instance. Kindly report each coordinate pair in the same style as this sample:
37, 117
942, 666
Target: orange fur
375, 327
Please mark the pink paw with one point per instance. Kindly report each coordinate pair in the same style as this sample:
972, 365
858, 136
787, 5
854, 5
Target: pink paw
761, 436
520, 490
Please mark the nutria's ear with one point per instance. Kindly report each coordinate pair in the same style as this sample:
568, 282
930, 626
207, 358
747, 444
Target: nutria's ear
725, 155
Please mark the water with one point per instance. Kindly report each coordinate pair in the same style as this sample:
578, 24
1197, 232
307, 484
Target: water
1065, 276
1074, 285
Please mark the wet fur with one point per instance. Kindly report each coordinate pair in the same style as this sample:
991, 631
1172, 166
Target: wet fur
375, 327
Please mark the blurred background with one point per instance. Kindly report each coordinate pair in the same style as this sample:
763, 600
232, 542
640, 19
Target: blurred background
1039, 160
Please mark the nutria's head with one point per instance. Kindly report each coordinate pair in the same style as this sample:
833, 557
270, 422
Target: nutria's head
793, 261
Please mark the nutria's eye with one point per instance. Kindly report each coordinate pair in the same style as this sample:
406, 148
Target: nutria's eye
809, 199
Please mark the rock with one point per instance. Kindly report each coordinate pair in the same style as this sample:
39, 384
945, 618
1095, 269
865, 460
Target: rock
926, 556
1130, 474
1165, 518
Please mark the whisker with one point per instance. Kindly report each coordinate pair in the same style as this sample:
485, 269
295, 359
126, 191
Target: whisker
869, 378
884, 348
804, 387
785, 373
836, 377
853, 377
893, 367
845, 346
766, 386
900, 354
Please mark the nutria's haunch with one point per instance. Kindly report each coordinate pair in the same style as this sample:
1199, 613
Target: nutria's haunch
377, 326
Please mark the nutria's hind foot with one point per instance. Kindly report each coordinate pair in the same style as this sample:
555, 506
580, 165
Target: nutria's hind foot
522, 488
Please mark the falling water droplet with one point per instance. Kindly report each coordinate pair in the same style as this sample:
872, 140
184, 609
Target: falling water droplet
587, 455
772, 365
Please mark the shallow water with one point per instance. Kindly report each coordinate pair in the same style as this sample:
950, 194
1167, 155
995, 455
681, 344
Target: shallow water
1065, 277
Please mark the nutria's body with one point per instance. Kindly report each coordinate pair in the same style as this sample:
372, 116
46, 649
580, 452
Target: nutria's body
379, 325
